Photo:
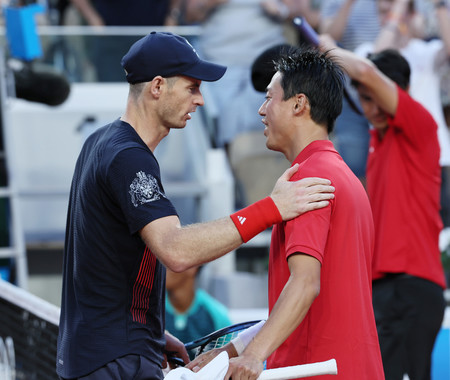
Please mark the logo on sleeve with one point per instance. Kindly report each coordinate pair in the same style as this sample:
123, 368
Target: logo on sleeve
144, 189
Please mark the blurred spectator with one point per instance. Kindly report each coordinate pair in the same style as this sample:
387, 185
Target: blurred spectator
190, 311
107, 51
235, 32
63, 12
350, 23
427, 58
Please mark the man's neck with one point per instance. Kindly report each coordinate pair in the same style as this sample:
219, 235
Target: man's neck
311, 134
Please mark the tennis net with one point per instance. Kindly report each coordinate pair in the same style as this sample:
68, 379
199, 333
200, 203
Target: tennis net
28, 335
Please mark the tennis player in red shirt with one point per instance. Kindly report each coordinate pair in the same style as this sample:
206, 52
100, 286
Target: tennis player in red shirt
403, 183
320, 299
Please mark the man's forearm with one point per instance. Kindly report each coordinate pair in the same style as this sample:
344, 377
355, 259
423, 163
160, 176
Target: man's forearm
291, 307
180, 248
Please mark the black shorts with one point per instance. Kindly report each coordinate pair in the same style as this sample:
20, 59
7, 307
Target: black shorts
129, 367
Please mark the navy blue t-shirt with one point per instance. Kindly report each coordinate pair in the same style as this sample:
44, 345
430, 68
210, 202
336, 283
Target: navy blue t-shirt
113, 286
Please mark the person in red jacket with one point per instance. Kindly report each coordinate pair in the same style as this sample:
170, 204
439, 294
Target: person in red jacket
403, 183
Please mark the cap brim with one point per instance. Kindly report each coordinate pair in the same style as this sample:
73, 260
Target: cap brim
206, 71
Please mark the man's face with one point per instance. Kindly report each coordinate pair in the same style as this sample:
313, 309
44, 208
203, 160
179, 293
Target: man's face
181, 97
275, 112
374, 114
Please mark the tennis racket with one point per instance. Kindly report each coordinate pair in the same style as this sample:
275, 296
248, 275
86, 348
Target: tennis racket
306, 30
223, 336
216, 339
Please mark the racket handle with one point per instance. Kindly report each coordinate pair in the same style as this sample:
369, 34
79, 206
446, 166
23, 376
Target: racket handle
328, 367
306, 30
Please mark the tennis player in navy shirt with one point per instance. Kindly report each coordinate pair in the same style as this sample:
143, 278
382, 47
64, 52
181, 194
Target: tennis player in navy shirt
122, 230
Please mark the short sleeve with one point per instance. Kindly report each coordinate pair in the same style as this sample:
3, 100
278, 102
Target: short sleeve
308, 233
134, 180
413, 120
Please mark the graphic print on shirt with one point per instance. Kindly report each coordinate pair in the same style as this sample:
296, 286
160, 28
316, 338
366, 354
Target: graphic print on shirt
143, 287
144, 189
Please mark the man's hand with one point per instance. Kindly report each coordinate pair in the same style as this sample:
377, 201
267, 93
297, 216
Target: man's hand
244, 367
175, 347
200, 361
295, 198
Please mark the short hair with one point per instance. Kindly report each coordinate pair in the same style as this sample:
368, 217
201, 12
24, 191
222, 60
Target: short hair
136, 89
308, 71
392, 64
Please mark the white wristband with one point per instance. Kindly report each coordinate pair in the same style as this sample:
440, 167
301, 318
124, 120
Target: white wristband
244, 337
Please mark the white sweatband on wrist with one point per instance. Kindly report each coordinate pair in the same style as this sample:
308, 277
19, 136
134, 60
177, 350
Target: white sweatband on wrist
244, 337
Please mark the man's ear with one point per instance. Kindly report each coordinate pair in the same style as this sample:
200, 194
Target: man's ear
300, 103
156, 85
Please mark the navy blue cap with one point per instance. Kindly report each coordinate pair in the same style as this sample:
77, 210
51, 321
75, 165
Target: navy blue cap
167, 54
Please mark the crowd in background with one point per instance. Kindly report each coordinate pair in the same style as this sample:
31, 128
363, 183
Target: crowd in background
235, 32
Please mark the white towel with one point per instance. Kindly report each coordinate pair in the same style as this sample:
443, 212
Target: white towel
216, 369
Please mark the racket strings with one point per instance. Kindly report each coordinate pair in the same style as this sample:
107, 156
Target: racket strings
216, 343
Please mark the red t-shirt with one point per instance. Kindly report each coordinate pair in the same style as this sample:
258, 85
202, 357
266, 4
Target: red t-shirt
340, 323
403, 183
